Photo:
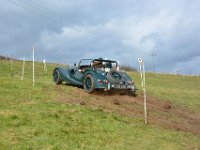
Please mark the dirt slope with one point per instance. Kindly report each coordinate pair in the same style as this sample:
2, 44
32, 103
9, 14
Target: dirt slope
160, 112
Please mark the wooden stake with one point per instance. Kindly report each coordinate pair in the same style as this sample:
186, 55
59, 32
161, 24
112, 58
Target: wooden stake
23, 65
33, 65
142, 75
45, 66
11, 62
145, 97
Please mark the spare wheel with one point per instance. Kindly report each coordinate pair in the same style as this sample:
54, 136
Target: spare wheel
115, 77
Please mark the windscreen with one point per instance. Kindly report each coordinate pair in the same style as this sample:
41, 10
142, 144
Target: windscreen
85, 62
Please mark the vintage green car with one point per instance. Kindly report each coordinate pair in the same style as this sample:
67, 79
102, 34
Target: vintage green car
95, 75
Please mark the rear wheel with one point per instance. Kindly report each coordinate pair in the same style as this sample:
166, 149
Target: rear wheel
57, 77
132, 93
89, 84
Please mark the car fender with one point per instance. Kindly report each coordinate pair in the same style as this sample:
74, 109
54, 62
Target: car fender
96, 76
61, 71
126, 76
67, 75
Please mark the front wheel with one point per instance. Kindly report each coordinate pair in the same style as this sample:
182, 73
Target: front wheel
89, 84
57, 77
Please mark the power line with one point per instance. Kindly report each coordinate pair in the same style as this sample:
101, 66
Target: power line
55, 14
51, 15
34, 10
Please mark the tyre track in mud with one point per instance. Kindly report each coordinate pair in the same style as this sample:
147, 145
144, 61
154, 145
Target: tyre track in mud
173, 117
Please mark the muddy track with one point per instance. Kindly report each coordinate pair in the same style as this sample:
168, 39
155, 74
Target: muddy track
160, 112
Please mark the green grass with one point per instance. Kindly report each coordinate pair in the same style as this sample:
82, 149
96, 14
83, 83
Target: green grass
34, 118
180, 90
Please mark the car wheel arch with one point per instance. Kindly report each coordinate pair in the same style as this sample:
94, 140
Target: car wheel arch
57, 76
93, 75
92, 84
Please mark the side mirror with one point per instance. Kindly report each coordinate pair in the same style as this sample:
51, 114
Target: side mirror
75, 64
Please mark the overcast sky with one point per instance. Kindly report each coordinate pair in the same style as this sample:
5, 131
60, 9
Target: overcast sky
68, 30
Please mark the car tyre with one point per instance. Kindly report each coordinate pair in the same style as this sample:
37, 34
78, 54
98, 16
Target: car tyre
132, 93
57, 77
88, 84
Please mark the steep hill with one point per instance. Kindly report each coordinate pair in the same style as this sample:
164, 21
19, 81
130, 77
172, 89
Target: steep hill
48, 116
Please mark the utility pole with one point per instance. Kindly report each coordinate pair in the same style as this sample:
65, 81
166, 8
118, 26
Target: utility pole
178, 71
153, 64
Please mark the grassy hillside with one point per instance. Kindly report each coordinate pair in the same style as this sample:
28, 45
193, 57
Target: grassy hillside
180, 90
37, 118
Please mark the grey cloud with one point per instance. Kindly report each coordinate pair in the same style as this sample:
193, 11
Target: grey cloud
66, 31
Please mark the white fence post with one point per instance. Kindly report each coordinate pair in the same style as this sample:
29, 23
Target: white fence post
142, 75
11, 63
33, 65
23, 65
45, 66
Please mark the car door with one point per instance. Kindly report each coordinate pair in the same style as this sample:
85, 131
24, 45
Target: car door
78, 75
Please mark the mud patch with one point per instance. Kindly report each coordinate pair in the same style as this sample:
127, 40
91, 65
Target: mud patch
82, 103
116, 102
167, 105
160, 112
